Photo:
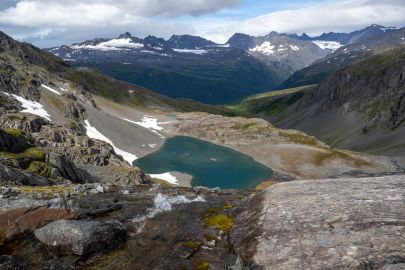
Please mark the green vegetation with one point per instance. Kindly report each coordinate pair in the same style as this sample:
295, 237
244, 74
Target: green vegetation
13, 132
194, 245
335, 154
220, 221
32, 153
41, 169
269, 103
201, 265
214, 218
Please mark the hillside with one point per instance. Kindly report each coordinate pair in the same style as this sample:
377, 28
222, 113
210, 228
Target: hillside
360, 47
359, 107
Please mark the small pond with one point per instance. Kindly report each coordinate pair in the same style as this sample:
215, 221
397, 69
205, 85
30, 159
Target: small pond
210, 165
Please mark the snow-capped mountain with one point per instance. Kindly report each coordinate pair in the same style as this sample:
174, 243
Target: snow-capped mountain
359, 47
334, 41
193, 67
279, 48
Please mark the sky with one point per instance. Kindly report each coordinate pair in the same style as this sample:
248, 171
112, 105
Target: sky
47, 23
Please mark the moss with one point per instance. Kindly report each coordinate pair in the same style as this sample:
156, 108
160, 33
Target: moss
201, 265
34, 153
13, 132
210, 237
194, 245
220, 221
264, 185
41, 169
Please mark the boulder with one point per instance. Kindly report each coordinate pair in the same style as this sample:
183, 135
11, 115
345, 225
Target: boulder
82, 237
324, 224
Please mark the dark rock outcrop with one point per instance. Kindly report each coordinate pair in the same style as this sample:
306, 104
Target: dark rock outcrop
82, 237
14, 176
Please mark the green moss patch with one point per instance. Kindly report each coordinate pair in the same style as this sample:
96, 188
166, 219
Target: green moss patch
41, 169
13, 132
201, 265
220, 221
194, 245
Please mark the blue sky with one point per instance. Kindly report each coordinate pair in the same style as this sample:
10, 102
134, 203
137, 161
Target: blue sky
54, 22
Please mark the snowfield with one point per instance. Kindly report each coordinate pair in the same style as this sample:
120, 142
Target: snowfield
165, 176
265, 48
196, 51
50, 89
111, 45
31, 107
327, 45
148, 123
93, 133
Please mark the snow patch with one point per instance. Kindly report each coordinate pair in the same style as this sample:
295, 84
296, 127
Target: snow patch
196, 51
294, 48
165, 176
111, 45
265, 48
50, 89
327, 45
31, 107
93, 133
148, 123
164, 203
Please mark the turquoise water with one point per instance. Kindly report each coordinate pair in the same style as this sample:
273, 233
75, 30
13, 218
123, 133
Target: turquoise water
210, 165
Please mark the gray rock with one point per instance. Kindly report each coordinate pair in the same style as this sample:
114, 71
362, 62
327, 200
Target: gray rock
324, 224
82, 237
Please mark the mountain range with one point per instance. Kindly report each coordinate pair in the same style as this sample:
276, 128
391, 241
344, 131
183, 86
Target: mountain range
193, 67
71, 198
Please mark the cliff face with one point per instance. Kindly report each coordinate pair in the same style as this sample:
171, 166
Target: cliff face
360, 107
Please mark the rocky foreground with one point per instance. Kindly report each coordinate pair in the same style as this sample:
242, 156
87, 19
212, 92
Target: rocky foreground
316, 224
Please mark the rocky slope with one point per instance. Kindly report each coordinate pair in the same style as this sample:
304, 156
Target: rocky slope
291, 154
358, 108
361, 46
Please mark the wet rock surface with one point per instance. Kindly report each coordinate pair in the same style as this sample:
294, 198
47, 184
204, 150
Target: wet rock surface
324, 224
165, 228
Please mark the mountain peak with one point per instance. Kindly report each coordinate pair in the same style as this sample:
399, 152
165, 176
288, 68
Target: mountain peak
125, 35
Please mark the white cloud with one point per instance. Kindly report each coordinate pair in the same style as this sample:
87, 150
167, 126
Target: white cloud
64, 13
334, 16
55, 22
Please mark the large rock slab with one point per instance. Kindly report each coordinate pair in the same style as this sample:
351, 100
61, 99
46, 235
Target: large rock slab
324, 224
82, 237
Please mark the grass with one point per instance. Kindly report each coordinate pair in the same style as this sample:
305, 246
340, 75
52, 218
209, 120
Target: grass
335, 154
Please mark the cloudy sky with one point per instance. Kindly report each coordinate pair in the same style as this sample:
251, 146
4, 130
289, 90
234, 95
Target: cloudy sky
54, 22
